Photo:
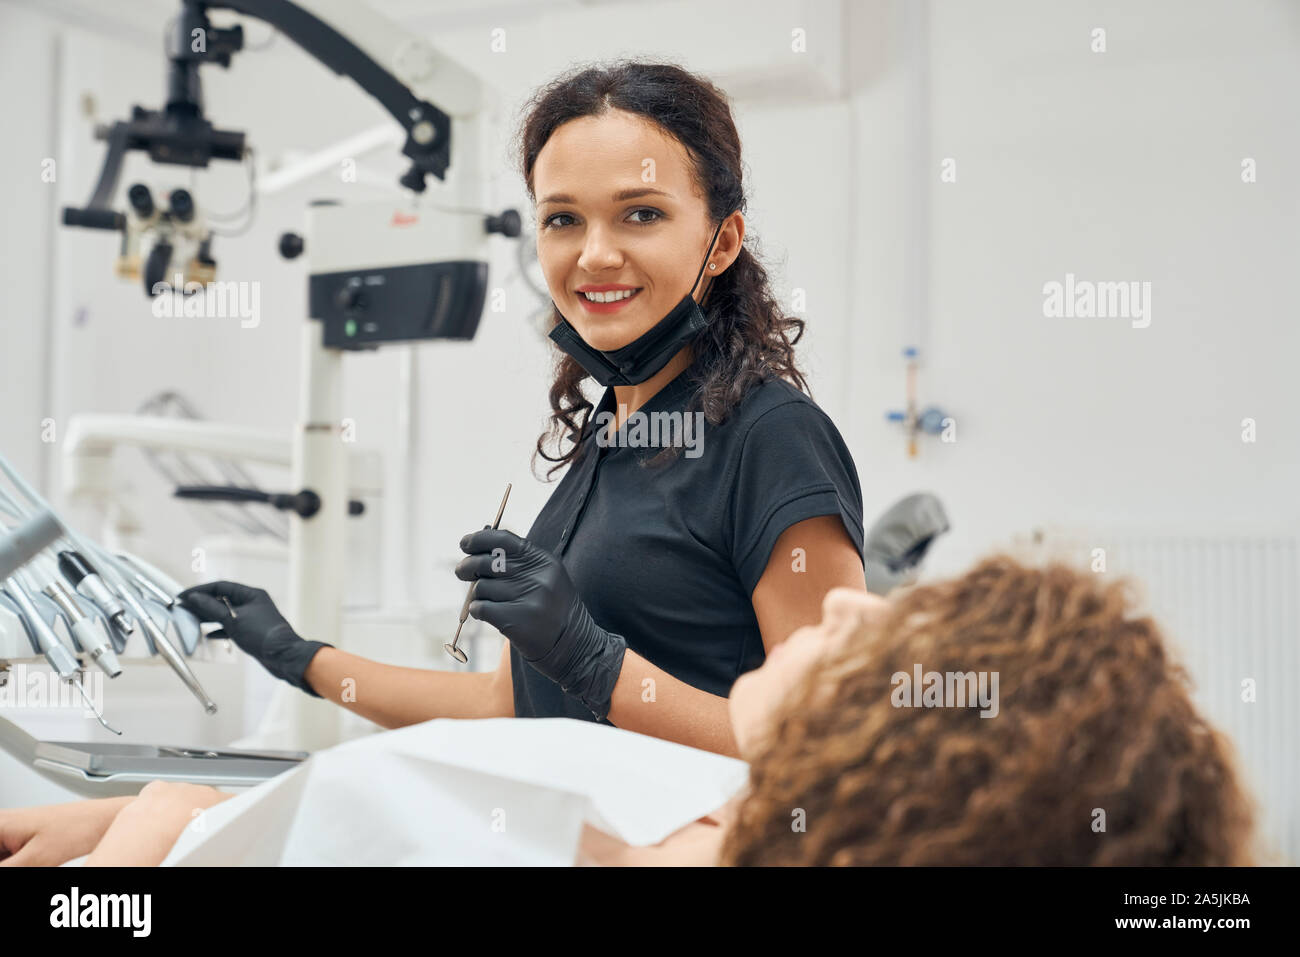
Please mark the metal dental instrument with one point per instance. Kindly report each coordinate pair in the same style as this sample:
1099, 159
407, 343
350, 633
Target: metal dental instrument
221, 633
187, 627
157, 612
83, 629
46, 569
168, 651
81, 615
146, 585
48, 611
164, 589
83, 576
55, 652
453, 646
149, 580
44, 523
118, 578
11, 606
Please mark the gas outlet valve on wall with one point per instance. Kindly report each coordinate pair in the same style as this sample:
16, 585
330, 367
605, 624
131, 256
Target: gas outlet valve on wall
931, 420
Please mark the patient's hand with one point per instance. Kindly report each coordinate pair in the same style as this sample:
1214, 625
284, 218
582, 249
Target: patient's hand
144, 832
54, 834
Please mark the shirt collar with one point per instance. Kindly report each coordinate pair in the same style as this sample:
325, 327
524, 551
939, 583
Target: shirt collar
673, 395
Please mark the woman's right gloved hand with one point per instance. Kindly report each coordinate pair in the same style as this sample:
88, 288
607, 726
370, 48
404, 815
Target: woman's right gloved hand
256, 626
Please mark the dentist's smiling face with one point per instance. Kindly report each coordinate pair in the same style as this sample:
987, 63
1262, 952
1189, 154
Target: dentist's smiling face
618, 215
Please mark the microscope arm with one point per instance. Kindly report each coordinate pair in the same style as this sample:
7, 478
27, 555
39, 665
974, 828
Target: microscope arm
384, 59
399, 70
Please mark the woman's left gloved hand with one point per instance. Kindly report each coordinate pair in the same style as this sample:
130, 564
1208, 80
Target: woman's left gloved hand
249, 617
526, 594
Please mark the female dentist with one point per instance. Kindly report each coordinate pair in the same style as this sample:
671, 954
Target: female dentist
709, 504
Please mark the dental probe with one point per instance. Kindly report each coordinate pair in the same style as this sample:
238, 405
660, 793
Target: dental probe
55, 652
453, 647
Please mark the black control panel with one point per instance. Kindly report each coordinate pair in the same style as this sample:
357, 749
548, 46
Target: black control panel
363, 308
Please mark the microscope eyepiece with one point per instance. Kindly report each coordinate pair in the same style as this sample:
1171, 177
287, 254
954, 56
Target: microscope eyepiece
141, 200
182, 205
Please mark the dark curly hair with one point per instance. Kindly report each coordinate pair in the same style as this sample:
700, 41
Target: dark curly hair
1093, 715
748, 339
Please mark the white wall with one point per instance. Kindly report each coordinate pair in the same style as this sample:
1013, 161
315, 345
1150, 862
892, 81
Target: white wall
1116, 166
28, 63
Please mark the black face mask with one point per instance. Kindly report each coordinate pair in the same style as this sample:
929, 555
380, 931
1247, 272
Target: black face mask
647, 354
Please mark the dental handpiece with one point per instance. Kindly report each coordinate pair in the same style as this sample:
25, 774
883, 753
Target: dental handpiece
155, 634
157, 637
78, 570
55, 652
83, 629
162, 644
453, 647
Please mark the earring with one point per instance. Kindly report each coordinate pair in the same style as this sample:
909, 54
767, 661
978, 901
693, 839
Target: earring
712, 266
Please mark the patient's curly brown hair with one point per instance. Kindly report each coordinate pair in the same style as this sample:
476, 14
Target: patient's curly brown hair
1093, 714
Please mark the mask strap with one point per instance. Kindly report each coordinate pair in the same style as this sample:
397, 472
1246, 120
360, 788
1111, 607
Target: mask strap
707, 255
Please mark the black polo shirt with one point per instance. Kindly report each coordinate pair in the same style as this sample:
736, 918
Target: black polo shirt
668, 556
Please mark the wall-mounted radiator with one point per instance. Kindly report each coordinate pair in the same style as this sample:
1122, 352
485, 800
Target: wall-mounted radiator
1230, 606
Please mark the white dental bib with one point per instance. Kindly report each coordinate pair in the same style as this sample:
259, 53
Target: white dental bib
509, 791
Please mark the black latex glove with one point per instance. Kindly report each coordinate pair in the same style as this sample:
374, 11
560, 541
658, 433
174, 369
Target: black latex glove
525, 593
257, 627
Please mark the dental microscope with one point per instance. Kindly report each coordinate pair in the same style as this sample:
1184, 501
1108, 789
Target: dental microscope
379, 272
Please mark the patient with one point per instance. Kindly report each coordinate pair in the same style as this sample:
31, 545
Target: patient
1090, 753
1094, 754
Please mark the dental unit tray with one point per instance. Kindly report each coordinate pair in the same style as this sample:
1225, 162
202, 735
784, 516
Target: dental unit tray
109, 768
104, 759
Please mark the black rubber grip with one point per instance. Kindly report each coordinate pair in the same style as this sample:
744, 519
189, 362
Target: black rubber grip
94, 218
